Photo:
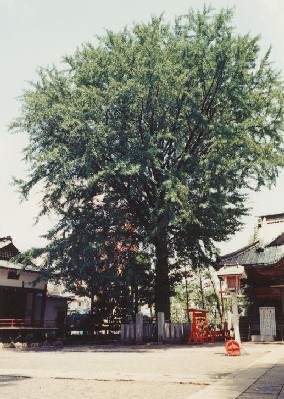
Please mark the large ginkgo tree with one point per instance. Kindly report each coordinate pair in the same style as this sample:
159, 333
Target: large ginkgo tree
161, 127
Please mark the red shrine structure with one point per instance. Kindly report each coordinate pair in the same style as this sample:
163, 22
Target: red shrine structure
200, 330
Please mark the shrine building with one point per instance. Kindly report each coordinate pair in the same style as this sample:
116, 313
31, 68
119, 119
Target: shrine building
263, 261
26, 304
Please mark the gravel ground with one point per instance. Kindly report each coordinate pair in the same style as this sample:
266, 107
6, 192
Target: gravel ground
71, 389
144, 372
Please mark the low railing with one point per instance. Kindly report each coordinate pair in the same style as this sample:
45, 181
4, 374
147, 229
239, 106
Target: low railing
12, 322
18, 323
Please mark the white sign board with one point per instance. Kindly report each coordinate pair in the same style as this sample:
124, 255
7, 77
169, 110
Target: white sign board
267, 321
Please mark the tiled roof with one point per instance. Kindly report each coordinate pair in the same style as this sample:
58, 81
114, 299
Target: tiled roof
7, 248
254, 255
278, 241
4, 264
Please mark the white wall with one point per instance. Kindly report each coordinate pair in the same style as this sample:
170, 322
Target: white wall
25, 277
53, 305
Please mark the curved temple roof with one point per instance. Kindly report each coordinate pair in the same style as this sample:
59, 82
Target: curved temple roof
268, 248
254, 255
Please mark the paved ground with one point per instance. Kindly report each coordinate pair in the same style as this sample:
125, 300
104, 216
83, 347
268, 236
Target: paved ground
168, 372
269, 385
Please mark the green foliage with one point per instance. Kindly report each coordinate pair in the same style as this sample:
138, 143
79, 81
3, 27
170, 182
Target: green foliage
179, 304
200, 291
167, 125
121, 294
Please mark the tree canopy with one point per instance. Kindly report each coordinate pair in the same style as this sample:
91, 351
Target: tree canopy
162, 126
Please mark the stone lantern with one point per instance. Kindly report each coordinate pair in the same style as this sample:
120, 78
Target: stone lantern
232, 275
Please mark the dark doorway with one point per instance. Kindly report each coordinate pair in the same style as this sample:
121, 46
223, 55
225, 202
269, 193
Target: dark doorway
60, 319
12, 303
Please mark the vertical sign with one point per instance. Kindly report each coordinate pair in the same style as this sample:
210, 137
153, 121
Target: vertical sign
267, 321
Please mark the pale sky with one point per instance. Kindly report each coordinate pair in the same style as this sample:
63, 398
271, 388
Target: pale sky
37, 33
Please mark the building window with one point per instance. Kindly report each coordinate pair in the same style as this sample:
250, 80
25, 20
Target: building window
13, 275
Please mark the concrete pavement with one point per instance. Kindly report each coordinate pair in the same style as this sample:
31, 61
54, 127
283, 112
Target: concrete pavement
263, 378
140, 372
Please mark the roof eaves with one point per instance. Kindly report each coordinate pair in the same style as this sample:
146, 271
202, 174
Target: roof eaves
239, 251
4, 264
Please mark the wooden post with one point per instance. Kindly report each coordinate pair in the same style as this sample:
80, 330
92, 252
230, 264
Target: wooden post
282, 301
43, 305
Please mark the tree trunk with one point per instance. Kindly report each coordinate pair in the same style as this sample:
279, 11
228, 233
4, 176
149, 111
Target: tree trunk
136, 301
92, 294
187, 298
201, 289
162, 283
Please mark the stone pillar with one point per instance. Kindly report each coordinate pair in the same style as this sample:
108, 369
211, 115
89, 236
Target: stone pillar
139, 328
167, 331
161, 324
122, 332
172, 331
235, 316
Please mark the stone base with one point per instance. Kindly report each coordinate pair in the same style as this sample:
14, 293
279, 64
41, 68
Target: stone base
262, 338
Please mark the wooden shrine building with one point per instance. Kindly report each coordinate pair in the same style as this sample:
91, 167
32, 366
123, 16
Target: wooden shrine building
263, 261
25, 303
